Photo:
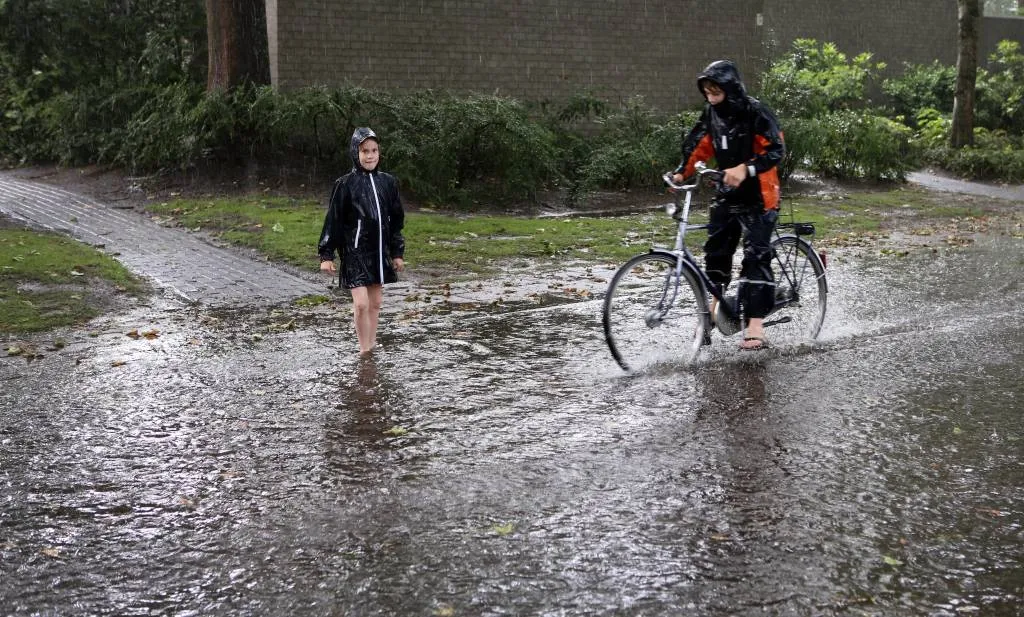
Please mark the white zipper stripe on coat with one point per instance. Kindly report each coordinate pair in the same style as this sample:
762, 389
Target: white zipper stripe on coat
380, 229
359, 229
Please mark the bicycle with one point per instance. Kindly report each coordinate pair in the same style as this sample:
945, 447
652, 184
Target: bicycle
656, 306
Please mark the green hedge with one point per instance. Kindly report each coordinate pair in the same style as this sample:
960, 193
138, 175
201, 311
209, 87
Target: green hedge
979, 164
849, 145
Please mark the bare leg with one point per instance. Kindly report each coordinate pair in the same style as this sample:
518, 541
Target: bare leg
376, 293
366, 303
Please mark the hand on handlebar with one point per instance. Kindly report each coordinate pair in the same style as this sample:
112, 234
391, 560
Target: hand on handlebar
676, 180
735, 175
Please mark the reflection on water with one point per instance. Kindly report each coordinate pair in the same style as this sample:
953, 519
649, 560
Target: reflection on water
503, 465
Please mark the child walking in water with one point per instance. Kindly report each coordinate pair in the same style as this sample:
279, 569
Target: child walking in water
364, 226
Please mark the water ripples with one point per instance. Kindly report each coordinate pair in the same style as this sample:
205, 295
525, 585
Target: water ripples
501, 464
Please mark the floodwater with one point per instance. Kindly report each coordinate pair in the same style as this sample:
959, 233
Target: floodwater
501, 464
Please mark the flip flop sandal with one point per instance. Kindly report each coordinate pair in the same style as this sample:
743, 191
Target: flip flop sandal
762, 343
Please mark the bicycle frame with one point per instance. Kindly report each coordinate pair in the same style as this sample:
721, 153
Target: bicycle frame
680, 251
684, 258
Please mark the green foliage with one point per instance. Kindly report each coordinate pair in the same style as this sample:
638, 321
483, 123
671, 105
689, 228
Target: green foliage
999, 103
72, 72
76, 42
933, 128
632, 147
995, 156
306, 123
815, 79
850, 145
456, 149
1000, 90
164, 131
921, 86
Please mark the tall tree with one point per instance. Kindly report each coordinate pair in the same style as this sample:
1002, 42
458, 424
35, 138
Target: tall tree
236, 33
968, 16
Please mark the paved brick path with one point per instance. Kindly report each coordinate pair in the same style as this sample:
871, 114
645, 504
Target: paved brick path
173, 259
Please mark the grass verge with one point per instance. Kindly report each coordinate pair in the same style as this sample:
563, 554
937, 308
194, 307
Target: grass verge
287, 229
49, 281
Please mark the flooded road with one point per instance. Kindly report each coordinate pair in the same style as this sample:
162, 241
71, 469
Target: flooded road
501, 463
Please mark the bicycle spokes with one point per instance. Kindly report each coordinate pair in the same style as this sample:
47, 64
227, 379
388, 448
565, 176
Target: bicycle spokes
654, 312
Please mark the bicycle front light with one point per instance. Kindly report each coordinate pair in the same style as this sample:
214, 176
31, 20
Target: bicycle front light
671, 209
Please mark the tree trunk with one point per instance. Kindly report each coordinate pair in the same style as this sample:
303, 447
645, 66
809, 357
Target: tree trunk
236, 32
969, 14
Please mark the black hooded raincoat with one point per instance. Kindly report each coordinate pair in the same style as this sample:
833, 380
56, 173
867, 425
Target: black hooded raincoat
739, 130
364, 222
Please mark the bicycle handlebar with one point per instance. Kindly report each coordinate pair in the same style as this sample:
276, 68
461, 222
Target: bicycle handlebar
702, 171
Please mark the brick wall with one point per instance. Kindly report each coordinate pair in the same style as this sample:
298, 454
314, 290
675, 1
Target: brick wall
550, 49
895, 31
995, 29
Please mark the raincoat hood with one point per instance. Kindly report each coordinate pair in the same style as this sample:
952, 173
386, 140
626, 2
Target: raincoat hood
360, 135
727, 76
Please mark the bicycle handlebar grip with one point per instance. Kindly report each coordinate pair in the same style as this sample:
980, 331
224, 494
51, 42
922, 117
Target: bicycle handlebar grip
667, 177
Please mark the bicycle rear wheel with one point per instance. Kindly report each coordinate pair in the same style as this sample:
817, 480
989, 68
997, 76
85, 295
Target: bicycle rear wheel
654, 314
801, 291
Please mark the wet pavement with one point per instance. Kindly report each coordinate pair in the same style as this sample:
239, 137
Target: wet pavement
935, 182
494, 461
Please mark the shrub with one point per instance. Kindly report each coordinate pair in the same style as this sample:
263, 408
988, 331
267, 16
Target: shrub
933, 128
977, 163
453, 150
1000, 96
632, 147
851, 145
921, 86
165, 132
815, 79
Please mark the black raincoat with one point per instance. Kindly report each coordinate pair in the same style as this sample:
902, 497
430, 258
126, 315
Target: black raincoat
364, 222
739, 130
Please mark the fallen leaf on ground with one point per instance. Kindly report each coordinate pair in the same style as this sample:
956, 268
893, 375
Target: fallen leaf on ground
503, 530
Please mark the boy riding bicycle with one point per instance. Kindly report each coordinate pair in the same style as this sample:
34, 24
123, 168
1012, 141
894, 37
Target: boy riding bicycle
744, 138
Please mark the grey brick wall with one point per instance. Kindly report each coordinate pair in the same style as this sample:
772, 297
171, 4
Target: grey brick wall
551, 49
895, 31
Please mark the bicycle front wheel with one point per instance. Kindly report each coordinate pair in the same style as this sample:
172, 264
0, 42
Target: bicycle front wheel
801, 291
655, 311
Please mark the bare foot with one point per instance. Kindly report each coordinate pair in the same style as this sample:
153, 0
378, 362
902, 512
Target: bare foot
753, 343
